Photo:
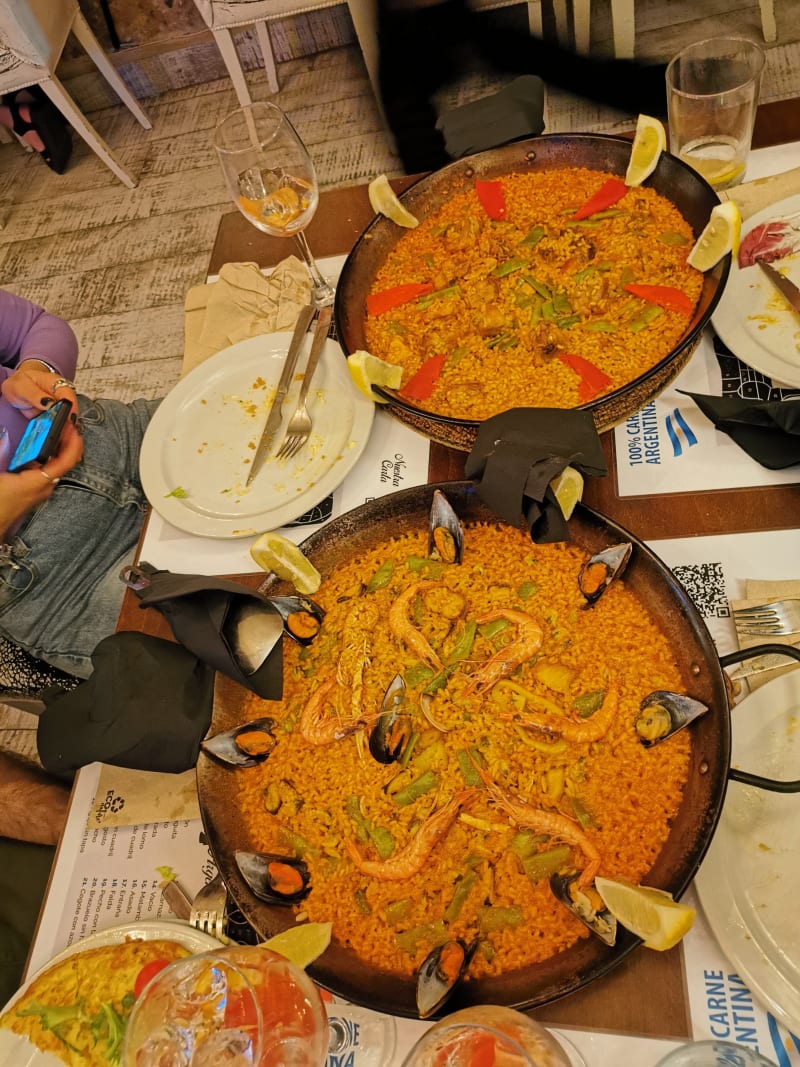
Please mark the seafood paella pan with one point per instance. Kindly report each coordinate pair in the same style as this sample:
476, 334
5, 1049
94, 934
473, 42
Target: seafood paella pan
436, 796
509, 294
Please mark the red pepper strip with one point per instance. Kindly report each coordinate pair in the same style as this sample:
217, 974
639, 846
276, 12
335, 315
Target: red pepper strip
593, 380
663, 295
608, 193
420, 385
492, 198
378, 303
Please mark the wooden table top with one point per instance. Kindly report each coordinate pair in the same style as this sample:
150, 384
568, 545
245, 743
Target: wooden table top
645, 994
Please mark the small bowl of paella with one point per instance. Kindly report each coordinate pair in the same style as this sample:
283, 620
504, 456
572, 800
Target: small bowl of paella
534, 278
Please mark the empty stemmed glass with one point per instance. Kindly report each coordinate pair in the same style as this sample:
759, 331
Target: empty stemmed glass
272, 180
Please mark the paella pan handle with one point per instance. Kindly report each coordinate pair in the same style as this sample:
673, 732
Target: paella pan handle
771, 784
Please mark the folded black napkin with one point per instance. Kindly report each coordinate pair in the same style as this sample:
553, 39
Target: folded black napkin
518, 453
147, 705
767, 430
209, 616
516, 111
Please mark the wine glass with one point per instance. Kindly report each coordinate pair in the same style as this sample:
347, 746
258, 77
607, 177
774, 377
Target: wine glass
272, 180
489, 1033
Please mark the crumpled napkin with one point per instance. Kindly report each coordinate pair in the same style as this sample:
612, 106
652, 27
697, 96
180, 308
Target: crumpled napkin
518, 453
759, 591
767, 430
242, 303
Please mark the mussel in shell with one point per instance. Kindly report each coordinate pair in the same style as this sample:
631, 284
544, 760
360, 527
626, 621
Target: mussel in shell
586, 904
302, 617
661, 714
390, 734
244, 746
445, 532
600, 570
439, 974
274, 879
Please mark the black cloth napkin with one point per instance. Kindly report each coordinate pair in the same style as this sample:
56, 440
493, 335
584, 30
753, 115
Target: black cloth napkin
767, 430
147, 705
204, 614
518, 453
514, 112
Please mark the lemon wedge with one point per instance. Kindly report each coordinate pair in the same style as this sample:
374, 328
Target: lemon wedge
367, 370
720, 236
384, 202
649, 913
649, 142
302, 944
274, 552
715, 171
568, 489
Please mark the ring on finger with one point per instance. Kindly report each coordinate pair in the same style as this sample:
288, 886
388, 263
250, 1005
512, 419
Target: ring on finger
63, 383
48, 477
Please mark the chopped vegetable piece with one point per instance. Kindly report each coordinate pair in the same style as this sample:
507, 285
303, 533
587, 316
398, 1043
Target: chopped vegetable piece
492, 918
463, 646
467, 767
408, 751
431, 567
434, 933
570, 320
416, 789
439, 294
593, 380
670, 237
587, 272
543, 864
540, 288
419, 672
178, 492
387, 299
583, 816
420, 385
397, 910
548, 310
492, 198
609, 193
463, 889
381, 577
490, 629
527, 590
588, 703
666, 296
382, 840
648, 315
601, 326
533, 236
508, 267
362, 903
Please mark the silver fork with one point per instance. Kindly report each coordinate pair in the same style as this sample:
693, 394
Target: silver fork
300, 423
772, 619
208, 908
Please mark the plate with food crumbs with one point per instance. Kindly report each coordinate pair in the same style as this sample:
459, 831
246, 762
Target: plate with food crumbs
748, 881
752, 318
200, 444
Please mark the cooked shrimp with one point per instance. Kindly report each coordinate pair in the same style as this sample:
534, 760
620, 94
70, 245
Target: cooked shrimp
584, 731
403, 630
411, 859
526, 644
320, 721
545, 822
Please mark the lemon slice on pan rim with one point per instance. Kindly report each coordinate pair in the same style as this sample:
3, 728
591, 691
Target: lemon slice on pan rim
649, 142
383, 200
720, 236
649, 913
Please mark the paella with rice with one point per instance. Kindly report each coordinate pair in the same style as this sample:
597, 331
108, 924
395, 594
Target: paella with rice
544, 289
461, 732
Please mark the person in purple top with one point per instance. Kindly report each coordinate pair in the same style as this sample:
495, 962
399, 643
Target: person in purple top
68, 526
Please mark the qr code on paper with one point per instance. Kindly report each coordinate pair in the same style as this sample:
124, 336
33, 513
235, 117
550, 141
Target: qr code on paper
705, 584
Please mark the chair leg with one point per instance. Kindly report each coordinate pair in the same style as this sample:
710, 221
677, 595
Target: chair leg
623, 20
535, 18
768, 27
262, 32
581, 16
562, 22
83, 31
75, 117
231, 59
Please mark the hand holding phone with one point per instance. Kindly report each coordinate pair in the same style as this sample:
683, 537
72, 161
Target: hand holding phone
41, 437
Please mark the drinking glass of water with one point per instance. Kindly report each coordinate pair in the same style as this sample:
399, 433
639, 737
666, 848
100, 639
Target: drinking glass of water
712, 95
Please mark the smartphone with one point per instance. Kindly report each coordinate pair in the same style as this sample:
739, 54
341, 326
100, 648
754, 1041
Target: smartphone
41, 436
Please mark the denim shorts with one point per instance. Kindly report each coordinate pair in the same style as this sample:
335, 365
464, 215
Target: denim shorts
60, 592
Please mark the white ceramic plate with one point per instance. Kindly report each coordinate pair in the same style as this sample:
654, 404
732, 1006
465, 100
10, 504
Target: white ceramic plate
205, 431
753, 319
749, 879
17, 1051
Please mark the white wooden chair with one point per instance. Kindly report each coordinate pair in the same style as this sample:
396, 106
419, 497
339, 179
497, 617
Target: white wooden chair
32, 37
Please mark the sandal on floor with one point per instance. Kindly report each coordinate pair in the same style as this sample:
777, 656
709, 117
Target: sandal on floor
49, 124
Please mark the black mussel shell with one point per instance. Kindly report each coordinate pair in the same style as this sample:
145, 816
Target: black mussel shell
244, 746
586, 905
445, 533
662, 714
439, 974
302, 617
600, 570
274, 879
390, 734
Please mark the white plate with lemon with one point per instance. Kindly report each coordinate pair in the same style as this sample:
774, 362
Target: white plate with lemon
753, 319
748, 881
198, 448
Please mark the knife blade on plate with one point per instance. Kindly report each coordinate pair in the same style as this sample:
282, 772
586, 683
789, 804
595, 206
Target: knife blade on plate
274, 418
785, 287
176, 898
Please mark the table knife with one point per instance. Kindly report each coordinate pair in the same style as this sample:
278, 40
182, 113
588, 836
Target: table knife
274, 418
179, 903
759, 664
785, 287
321, 327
